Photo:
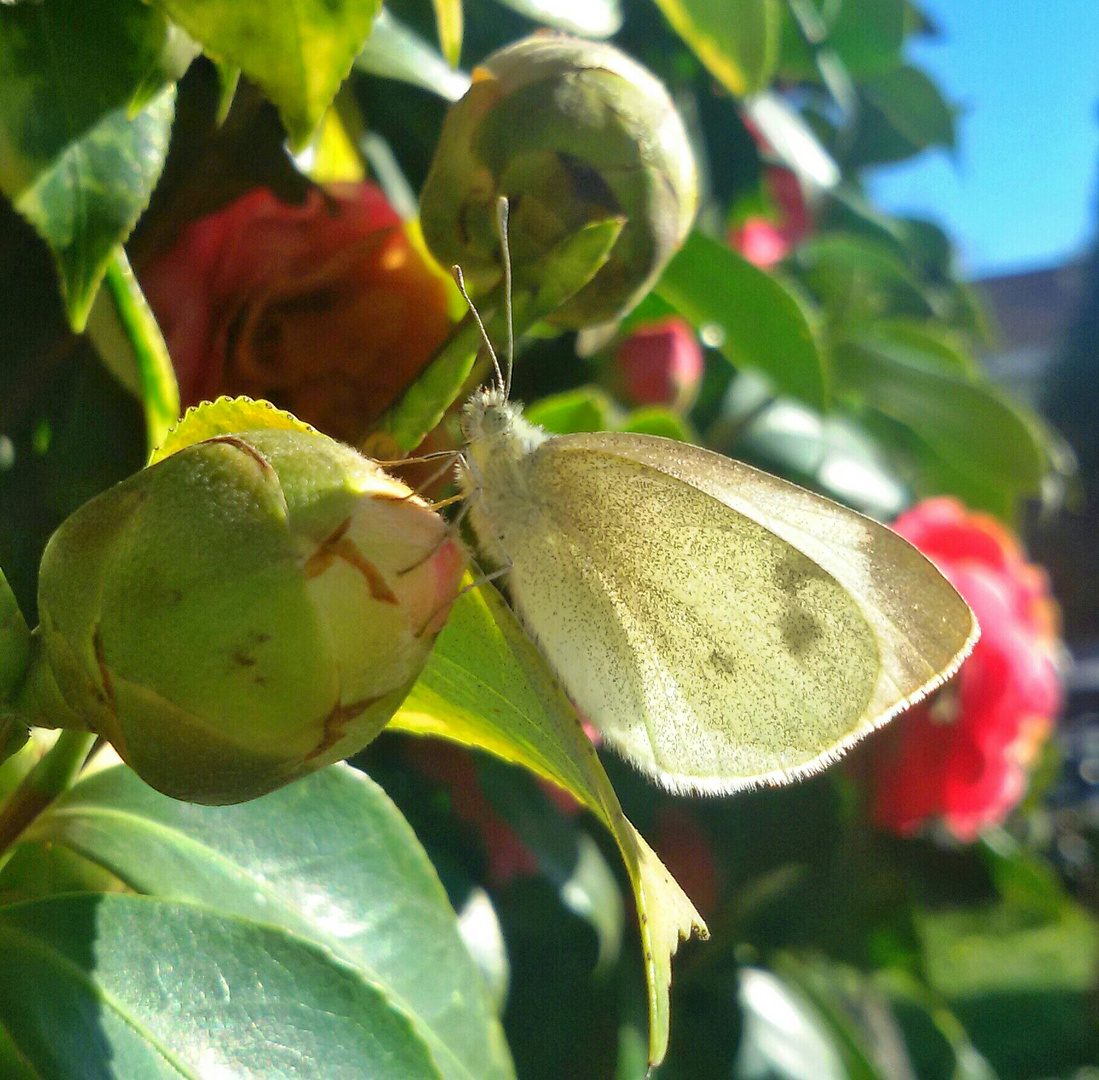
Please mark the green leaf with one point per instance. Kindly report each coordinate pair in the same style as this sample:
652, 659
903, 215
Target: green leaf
124, 330
393, 51
15, 644
486, 685
904, 112
737, 40
922, 341
973, 427
79, 156
448, 21
224, 417
763, 326
587, 18
868, 36
297, 53
783, 1034
584, 409
137, 987
328, 859
860, 279
656, 420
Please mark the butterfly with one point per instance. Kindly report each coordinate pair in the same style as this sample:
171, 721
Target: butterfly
720, 627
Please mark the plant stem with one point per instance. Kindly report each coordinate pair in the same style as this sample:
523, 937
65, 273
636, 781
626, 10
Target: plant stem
48, 779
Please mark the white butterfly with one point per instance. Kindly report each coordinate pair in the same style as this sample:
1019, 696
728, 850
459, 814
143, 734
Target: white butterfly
721, 627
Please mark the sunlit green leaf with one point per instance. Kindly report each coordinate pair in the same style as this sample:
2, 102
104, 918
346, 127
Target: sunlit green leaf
142, 988
758, 322
584, 409
737, 40
393, 51
486, 685
867, 35
448, 20
298, 53
328, 859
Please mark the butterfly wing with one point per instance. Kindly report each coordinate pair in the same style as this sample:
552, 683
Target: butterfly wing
720, 626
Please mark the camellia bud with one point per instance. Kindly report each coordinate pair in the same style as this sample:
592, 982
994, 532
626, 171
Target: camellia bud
572, 132
251, 608
660, 363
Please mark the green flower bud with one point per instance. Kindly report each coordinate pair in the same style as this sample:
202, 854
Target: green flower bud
572, 132
249, 609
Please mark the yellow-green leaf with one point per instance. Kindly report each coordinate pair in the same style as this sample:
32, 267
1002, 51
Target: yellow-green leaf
224, 417
737, 40
298, 53
486, 685
448, 20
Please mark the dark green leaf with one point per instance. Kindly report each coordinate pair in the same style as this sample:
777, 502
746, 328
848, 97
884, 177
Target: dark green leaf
904, 112
588, 18
15, 644
135, 987
298, 54
860, 279
761, 324
975, 428
75, 159
329, 859
737, 40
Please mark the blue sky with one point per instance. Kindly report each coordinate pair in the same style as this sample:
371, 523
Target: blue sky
1024, 191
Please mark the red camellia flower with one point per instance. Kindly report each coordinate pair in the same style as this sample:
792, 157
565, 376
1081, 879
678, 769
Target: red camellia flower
660, 363
962, 755
768, 240
325, 309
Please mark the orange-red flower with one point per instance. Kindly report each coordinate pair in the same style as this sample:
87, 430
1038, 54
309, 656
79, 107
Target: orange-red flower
325, 308
962, 756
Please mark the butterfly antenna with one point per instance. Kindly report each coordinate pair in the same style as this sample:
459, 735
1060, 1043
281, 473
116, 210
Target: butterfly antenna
502, 208
461, 281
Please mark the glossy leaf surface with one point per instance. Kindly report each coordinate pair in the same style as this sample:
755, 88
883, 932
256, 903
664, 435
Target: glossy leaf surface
328, 859
113, 986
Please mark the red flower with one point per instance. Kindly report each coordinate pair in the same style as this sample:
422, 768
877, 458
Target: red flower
766, 240
326, 308
963, 754
660, 363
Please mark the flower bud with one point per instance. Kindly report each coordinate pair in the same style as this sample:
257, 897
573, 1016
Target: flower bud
572, 132
249, 609
660, 363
